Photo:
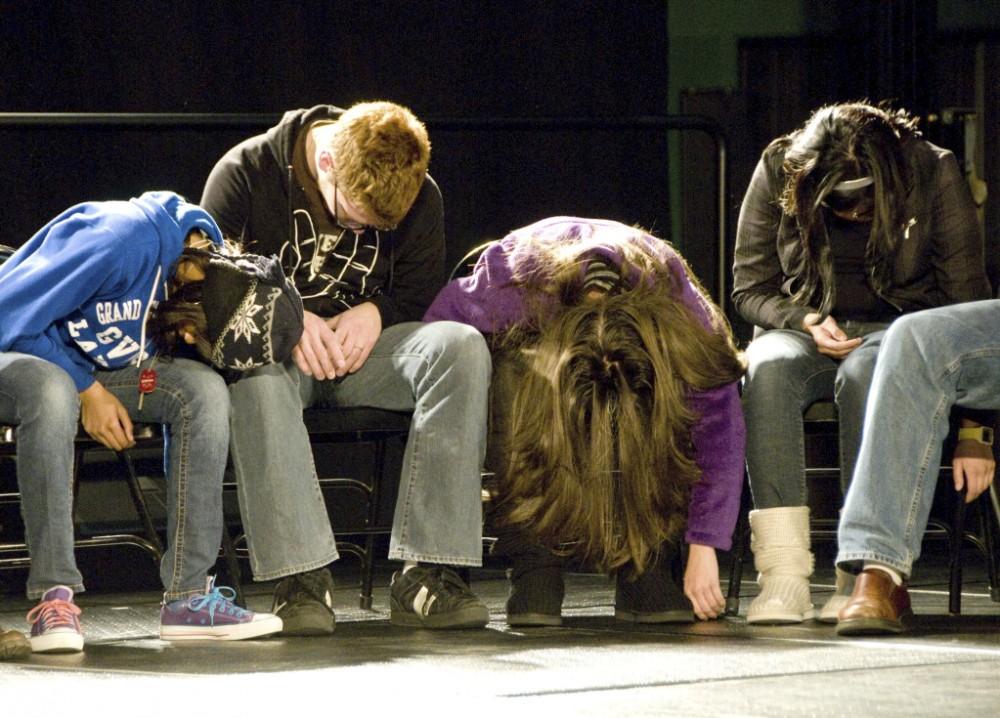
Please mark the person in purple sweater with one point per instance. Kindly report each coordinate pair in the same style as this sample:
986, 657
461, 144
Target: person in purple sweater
618, 434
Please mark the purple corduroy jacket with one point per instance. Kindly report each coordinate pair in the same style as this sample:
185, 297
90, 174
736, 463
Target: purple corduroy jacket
491, 301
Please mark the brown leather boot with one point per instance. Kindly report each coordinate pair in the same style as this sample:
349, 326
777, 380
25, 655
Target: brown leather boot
876, 607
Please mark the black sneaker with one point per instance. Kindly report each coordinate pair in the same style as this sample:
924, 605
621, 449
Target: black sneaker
434, 597
304, 603
655, 596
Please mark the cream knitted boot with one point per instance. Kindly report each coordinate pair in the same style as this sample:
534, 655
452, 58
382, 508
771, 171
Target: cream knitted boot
780, 542
843, 591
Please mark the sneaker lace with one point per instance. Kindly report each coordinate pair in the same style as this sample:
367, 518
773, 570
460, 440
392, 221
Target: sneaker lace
54, 614
218, 600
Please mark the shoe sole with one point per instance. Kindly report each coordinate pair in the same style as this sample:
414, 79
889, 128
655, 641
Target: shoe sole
781, 619
236, 632
674, 616
309, 631
472, 617
873, 626
533, 620
68, 642
309, 626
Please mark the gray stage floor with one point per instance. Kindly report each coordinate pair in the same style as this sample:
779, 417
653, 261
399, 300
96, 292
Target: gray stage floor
594, 666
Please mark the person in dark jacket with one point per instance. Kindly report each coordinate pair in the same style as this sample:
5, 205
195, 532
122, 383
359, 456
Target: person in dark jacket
344, 198
848, 223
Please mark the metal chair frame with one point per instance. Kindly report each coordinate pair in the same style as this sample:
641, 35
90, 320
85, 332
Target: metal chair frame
15, 555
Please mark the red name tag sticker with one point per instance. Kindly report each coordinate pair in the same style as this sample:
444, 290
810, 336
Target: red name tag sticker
147, 381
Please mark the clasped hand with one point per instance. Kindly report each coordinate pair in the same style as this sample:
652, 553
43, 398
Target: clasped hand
829, 337
340, 345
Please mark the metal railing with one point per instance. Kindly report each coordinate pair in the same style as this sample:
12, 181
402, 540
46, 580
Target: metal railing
187, 121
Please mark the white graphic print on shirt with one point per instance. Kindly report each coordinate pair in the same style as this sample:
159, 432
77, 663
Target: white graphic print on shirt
329, 265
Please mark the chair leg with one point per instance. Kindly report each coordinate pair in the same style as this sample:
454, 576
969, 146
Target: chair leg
139, 501
374, 498
957, 539
367, 573
233, 566
738, 554
736, 569
991, 523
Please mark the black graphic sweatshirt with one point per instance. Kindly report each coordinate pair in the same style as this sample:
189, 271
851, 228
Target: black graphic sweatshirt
258, 197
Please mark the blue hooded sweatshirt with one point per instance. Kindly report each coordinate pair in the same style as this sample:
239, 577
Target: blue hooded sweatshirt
78, 293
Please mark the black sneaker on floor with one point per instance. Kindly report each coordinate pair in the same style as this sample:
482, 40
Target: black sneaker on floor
654, 596
304, 603
434, 597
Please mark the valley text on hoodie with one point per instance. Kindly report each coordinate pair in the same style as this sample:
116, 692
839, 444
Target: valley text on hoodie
79, 292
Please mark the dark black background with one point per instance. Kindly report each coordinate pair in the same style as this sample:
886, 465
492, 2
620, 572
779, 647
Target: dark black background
443, 59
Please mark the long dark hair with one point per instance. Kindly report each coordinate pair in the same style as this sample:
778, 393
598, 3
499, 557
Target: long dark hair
600, 452
182, 310
841, 142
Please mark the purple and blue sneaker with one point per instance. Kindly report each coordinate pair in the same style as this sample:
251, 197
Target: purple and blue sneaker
55, 623
213, 616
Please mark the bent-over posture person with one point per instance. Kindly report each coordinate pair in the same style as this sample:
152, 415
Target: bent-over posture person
84, 317
621, 435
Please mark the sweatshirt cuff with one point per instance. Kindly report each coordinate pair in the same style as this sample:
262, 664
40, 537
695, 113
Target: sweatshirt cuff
386, 310
721, 543
82, 380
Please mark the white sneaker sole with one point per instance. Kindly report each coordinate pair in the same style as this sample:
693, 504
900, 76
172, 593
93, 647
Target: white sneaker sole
779, 618
57, 641
263, 625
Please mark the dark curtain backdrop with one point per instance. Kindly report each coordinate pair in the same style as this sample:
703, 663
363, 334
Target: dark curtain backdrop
442, 58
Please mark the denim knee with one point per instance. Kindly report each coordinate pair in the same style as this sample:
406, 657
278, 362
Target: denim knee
770, 378
853, 381
50, 397
462, 347
914, 334
208, 399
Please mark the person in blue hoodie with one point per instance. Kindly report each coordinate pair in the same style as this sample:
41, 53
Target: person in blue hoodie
75, 312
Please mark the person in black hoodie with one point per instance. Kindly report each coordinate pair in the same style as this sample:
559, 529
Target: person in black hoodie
344, 199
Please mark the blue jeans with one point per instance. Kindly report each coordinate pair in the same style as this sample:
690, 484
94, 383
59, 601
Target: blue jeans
785, 375
190, 399
930, 361
439, 371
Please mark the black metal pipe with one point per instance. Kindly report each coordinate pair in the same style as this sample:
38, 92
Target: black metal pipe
194, 120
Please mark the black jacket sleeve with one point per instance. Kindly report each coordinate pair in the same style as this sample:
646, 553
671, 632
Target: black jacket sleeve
417, 260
